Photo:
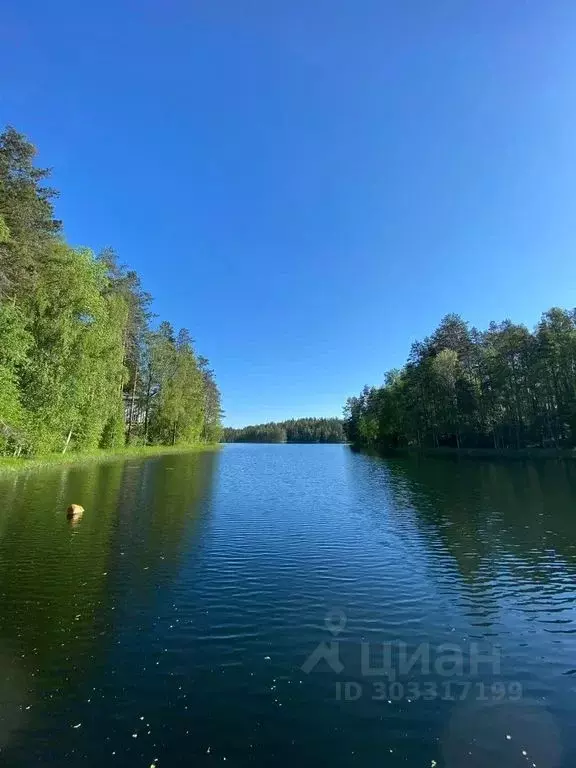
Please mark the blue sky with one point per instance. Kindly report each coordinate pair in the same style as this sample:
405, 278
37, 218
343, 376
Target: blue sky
309, 185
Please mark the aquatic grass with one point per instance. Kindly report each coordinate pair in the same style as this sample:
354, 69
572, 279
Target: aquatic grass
44, 462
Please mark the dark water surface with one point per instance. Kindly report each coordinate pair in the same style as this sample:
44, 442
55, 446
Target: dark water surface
280, 605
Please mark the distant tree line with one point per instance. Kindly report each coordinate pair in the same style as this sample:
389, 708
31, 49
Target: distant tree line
292, 431
502, 388
81, 365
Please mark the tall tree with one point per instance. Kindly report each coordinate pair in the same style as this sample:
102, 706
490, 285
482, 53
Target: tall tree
502, 388
26, 214
80, 367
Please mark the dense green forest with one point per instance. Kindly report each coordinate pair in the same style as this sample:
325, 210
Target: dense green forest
503, 388
82, 365
292, 431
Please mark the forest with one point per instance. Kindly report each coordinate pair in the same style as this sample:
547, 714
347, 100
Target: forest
502, 388
84, 364
293, 431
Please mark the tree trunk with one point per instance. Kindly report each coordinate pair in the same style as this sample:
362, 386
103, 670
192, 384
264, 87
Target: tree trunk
67, 443
131, 416
147, 414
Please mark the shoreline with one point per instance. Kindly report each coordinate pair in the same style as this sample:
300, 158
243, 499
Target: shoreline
14, 465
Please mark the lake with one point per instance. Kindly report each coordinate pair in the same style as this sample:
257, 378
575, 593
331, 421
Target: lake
289, 605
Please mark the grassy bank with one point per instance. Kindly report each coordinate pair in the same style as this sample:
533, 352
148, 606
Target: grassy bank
18, 465
478, 453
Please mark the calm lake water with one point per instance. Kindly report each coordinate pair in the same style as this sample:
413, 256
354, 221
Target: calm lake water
289, 605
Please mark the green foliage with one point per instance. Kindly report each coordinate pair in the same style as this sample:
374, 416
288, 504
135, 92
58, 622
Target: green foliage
15, 342
177, 410
4, 231
27, 214
293, 431
503, 388
114, 432
80, 367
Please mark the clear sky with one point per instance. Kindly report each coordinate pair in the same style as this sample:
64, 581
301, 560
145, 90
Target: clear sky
309, 185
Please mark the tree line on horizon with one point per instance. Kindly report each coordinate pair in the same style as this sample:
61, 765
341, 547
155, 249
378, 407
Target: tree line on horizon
310, 430
502, 388
82, 366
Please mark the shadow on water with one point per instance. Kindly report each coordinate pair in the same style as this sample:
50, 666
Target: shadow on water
521, 513
495, 546
61, 583
482, 510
